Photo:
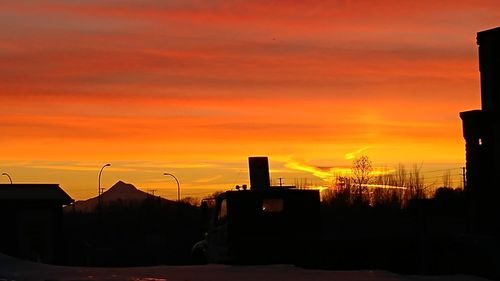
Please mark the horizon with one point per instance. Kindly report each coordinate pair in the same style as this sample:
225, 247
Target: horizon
193, 89
318, 178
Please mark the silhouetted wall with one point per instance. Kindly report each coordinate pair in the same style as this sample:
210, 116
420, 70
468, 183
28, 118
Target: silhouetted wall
481, 132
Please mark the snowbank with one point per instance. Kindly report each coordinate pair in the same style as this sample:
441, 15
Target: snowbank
14, 269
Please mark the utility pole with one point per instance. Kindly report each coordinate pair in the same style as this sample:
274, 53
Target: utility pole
178, 186
464, 183
100, 190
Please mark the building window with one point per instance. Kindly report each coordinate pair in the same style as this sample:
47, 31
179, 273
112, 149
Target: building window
272, 205
222, 214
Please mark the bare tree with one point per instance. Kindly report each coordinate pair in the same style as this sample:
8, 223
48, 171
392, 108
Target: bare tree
447, 178
416, 185
195, 201
361, 170
401, 176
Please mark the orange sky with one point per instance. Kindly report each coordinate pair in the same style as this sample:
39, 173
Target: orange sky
195, 87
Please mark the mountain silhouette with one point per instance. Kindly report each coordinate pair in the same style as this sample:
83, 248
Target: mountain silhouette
120, 191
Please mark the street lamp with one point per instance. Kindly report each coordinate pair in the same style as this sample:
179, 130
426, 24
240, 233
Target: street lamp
178, 186
99, 183
7, 175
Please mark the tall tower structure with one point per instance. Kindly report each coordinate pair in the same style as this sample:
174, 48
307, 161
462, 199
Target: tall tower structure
481, 131
259, 173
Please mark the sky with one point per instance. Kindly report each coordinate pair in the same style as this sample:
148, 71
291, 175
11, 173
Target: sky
195, 87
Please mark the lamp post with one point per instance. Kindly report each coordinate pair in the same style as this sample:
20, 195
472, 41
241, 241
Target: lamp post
99, 184
7, 175
178, 186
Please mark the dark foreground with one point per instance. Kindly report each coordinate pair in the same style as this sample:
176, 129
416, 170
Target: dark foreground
17, 270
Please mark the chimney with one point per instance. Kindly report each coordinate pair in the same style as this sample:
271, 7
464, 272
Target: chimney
489, 66
259, 173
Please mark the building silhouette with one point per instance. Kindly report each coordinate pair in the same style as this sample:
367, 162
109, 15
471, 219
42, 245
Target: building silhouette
481, 131
31, 221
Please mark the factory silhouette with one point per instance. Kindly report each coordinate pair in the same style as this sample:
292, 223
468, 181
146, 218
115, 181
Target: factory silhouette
454, 232
481, 130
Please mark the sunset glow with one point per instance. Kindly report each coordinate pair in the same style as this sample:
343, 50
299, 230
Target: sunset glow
194, 87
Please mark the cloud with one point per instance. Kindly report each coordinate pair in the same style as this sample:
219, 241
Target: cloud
208, 179
324, 173
189, 165
352, 155
329, 173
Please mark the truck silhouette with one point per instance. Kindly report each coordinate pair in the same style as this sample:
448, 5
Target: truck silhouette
262, 224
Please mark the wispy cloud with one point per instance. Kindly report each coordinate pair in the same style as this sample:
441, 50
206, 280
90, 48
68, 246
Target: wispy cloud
328, 173
190, 165
117, 166
352, 155
324, 173
78, 168
208, 179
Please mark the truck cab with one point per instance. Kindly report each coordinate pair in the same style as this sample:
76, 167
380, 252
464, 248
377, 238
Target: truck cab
270, 224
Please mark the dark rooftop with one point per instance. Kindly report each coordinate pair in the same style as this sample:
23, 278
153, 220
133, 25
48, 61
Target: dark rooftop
490, 36
39, 192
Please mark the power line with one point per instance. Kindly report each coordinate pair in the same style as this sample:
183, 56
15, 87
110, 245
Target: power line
442, 170
441, 176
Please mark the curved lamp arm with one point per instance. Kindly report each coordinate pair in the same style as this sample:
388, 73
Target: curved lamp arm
99, 182
178, 185
7, 175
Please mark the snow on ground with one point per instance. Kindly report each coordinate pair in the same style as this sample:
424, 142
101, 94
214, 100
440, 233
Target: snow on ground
12, 269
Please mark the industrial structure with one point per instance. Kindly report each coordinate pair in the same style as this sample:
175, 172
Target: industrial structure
481, 130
